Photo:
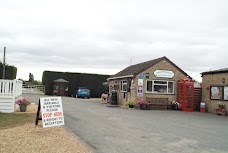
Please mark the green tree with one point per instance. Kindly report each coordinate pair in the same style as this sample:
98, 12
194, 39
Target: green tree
31, 77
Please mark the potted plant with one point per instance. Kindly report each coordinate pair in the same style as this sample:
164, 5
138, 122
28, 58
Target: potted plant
142, 103
221, 110
131, 103
23, 102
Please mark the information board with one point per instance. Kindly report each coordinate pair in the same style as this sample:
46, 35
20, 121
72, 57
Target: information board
216, 92
140, 87
52, 111
225, 93
141, 76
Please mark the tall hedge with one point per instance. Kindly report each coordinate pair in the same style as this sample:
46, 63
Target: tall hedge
10, 72
94, 82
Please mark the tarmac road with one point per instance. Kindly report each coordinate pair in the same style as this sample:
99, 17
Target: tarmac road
119, 130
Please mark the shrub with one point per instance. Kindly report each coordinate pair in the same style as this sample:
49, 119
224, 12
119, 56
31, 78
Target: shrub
23, 101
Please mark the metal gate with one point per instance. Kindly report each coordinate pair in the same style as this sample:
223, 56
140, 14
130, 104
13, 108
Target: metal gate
30, 88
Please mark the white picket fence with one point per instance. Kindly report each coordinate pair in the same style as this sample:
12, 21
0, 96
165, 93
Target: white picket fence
10, 91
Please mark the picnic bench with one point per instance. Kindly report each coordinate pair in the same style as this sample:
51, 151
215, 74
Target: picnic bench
158, 102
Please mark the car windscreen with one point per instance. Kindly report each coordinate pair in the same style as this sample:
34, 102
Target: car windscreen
84, 90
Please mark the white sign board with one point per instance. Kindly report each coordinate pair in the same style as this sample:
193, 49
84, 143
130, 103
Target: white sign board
140, 87
163, 74
132, 87
52, 111
140, 91
140, 82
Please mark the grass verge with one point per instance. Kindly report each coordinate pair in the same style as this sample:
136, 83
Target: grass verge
8, 120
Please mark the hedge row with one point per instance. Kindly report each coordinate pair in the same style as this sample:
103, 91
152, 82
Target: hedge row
94, 82
10, 72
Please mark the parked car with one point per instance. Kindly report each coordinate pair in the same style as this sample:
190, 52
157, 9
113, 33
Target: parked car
82, 92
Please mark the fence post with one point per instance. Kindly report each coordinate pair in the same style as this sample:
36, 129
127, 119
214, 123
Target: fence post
14, 94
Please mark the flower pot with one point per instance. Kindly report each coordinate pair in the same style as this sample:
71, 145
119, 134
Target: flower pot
131, 106
23, 107
174, 107
142, 106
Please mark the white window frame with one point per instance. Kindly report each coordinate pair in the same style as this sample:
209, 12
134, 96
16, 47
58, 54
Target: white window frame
167, 83
122, 83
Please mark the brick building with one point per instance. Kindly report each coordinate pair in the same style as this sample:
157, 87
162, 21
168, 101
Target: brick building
154, 78
215, 89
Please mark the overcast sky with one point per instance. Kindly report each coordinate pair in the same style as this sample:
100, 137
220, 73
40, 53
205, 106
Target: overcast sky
106, 36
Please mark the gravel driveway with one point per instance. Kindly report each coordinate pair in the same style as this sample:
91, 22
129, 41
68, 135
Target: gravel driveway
119, 130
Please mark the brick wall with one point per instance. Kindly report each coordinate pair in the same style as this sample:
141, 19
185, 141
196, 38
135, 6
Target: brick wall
163, 65
207, 81
122, 97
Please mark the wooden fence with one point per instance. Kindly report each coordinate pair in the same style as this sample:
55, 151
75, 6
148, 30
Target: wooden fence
10, 91
197, 98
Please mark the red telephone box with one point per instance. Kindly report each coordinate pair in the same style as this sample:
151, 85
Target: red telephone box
185, 94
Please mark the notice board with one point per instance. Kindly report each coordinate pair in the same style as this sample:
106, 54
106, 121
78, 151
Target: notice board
52, 111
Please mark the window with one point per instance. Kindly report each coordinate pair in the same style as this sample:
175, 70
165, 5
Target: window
124, 86
160, 86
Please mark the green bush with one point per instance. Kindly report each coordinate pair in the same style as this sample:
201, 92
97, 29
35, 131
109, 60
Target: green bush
131, 102
94, 82
10, 72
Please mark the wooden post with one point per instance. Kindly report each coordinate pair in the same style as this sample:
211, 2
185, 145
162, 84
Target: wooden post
4, 64
38, 114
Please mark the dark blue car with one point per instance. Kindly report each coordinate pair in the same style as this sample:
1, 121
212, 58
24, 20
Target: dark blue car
82, 92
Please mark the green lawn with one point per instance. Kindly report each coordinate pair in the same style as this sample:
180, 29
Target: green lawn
8, 120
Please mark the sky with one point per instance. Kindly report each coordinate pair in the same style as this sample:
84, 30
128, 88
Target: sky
106, 36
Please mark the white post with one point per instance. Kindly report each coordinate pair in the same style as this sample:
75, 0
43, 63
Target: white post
20, 88
14, 94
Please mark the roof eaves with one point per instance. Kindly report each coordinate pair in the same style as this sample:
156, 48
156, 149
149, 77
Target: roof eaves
215, 71
126, 76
